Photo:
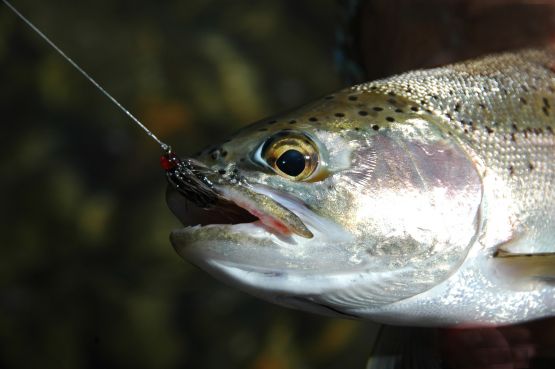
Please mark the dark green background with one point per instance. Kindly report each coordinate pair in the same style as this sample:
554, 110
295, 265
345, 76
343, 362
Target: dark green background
88, 277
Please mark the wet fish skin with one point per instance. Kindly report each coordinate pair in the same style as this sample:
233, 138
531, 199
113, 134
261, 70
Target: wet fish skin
423, 177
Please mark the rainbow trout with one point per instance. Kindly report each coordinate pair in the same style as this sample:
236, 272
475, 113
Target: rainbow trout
426, 198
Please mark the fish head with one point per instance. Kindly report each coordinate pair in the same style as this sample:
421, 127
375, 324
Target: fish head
340, 207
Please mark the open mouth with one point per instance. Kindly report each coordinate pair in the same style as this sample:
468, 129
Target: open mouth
226, 212
239, 207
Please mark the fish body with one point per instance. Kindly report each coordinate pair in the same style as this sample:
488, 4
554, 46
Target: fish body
426, 198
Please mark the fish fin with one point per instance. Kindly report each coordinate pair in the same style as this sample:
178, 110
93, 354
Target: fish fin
405, 348
539, 266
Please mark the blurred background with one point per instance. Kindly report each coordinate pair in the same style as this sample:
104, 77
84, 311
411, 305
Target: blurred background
88, 277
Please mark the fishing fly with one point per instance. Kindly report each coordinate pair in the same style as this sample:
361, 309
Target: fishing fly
183, 175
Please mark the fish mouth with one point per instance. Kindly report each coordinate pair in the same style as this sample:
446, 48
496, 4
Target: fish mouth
240, 205
191, 215
189, 178
281, 233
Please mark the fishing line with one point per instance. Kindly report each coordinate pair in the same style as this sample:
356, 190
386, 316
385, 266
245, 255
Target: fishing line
163, 145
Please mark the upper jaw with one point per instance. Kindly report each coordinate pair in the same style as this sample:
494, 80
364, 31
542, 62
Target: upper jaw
270, 212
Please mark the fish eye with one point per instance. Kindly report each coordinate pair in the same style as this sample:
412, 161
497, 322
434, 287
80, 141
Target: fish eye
293, 156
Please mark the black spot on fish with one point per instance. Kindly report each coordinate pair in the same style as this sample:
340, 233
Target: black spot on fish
377, 108
549, 129
375, 127
339, 115
390, 119
391, 93
515, 128
513, 137
545, 111
530, 166
313, 119
414, 108
352, 98
398, 110
546, 102
482, 106
523, 101
224, 153
272, 122
457, 107
392, 101
357, 129
221, 171
363, 113
511, 170
489, 130
524, 88
292, 121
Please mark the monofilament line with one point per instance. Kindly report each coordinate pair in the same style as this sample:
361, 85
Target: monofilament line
164, 146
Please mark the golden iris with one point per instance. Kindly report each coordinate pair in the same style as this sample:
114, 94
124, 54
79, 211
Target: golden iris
292, 156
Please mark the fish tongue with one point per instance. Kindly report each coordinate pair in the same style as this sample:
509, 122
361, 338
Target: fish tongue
270, 213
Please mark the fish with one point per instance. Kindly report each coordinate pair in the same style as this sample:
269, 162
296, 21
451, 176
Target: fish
422, 199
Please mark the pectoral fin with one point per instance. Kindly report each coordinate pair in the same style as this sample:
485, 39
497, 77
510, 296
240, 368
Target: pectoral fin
539, 266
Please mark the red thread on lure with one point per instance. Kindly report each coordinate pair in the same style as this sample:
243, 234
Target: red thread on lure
169, 161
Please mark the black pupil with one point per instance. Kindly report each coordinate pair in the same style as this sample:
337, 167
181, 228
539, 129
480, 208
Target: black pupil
291, 162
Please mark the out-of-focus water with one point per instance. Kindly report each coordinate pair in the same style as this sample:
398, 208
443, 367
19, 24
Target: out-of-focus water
88, 276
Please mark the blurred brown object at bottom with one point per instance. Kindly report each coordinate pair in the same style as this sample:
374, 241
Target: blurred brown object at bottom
527, 345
